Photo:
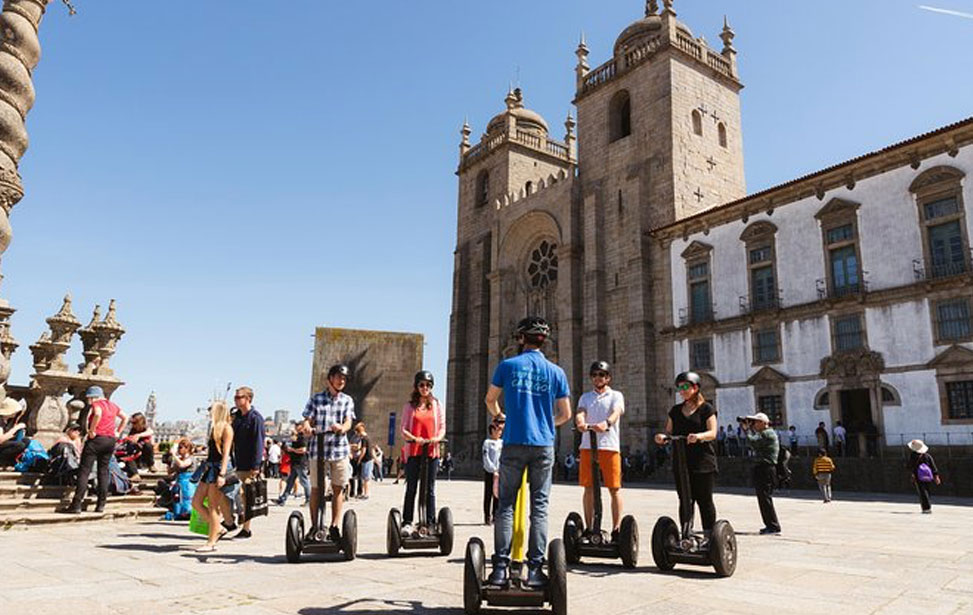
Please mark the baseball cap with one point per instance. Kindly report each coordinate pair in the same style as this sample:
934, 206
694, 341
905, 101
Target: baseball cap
760, 416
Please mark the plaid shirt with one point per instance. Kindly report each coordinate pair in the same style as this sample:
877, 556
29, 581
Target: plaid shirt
323, 411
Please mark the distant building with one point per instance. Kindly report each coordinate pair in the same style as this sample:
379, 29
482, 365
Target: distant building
281, 417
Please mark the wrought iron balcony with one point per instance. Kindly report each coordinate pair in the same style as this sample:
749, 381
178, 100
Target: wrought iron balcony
837, 292
760, 304
939, 271
697, 315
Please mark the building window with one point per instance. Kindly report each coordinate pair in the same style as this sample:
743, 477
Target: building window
959, 396
890, 397
700, 303
721, 128
619, 116
529, 188
697, 123
759, 239
701, 354
839, 227
542, 267
952, 321
822, 399
773, 407
848, 333
765, 347
939, 196
482, 188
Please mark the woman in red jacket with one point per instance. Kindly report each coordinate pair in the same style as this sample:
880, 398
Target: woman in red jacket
423, 427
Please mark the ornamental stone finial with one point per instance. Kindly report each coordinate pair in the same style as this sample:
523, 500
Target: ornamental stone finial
651, 7
727, 36
668, 8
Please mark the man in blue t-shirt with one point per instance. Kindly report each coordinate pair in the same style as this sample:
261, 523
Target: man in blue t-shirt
531, 387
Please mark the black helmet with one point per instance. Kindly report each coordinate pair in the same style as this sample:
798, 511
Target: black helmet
339, 368
600, 366
533, 326
690, 377
423, 376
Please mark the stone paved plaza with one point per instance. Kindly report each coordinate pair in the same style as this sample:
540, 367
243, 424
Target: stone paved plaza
852, 556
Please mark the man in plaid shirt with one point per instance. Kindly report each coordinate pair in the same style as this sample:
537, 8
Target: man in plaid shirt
330, 412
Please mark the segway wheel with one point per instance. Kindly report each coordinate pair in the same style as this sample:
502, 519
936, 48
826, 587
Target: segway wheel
349, 534
557, 572
628, 542
573, 528
445, 531
393, 533
665, 536
723, 548
294, 538
473, 574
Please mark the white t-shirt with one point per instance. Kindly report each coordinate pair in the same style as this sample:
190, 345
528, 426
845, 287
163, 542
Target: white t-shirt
597, 408
839, 433
273, 453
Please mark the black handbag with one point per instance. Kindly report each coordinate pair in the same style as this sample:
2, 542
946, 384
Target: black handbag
255, 498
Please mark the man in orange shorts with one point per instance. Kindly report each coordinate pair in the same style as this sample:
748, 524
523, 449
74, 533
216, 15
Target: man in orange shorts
599, 411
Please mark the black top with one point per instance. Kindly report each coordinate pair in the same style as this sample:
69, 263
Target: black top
297, 459
366, 442
701, 457
917, 458
213, 453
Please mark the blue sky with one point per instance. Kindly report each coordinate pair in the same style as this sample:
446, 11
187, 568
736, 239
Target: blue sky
241, 173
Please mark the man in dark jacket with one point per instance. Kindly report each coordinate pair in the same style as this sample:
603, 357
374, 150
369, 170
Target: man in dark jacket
765, 446
248, 443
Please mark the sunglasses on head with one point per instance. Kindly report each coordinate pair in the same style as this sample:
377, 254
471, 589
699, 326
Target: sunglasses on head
685, 386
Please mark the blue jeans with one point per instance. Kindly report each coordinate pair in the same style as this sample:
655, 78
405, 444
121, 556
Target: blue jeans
539, 461
297, 473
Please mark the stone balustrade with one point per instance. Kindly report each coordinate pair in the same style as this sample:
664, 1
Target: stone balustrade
532, 140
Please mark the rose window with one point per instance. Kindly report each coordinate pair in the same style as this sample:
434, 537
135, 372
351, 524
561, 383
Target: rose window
542, 267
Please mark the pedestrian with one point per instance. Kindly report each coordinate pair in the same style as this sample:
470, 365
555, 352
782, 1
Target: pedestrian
822, 470
273, 459
210, 500
821, 433
12, 431
105, 422
379, 457
296, 451
695, 418
248, 444
448, 466
840, 436
923, 472
721, 442
366, 459
330, 412
537, 400
732, 441
765, 446
569, 464
599, 411
423, 427
400, 464
492, 447
354, 448
792, 438
285, 470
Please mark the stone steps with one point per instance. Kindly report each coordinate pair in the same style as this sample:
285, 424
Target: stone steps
33, 518
50, 505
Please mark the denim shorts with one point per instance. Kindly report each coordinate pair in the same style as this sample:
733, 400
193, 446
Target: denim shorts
209, 471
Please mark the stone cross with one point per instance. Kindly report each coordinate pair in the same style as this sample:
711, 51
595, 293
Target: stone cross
711, 163
699, 195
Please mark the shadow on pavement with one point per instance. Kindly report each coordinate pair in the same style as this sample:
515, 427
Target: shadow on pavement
236, 558
143, 547
368, 605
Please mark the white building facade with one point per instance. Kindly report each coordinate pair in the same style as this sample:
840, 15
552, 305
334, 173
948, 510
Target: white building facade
841, 296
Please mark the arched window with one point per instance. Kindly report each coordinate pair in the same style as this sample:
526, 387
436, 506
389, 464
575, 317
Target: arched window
822, 400
722, 131
529, 188
619, 116
890, 397
697, 123
542, 265
482, 188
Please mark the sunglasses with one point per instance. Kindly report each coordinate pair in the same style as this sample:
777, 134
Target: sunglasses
599, 374
239, 397
684, 387
424, 385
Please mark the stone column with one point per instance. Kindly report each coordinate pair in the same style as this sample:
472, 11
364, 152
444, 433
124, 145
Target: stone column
20, 51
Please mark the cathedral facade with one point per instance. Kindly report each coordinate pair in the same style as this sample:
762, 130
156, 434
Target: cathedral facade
843, 295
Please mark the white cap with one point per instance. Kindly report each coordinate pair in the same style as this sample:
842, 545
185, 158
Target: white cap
760, 416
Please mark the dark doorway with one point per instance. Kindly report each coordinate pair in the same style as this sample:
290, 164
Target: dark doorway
856, 416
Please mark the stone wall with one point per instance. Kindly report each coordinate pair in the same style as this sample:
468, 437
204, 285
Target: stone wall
383, 365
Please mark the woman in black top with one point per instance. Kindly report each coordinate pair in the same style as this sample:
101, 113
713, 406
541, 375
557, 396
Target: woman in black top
695, 418
922, 477
365, 459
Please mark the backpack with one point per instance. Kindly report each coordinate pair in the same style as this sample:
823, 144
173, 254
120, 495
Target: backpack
33, 459
63, 467
783, 471
118, 481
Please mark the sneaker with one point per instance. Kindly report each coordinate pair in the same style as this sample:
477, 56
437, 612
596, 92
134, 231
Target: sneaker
498, 577
615, 535
535, 576
70, 510
278, 502
228, 527
767, 530
928, 511
333, 534
100, 508
407, 530
243, 534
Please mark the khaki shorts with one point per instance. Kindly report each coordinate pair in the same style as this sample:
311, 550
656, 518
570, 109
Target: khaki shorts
335, 469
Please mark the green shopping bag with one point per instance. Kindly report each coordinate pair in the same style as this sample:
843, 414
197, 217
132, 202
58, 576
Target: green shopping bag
196, 523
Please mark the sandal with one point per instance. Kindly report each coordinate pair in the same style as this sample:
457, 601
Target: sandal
223, 532
206, 549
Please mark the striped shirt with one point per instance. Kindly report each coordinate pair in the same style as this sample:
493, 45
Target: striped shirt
822, 465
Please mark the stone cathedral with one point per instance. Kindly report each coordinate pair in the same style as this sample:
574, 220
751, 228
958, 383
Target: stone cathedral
561, 228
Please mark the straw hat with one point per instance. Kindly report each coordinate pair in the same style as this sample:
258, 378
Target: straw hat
9, 407
918, 446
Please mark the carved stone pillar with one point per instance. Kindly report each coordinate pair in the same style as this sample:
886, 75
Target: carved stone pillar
109, 331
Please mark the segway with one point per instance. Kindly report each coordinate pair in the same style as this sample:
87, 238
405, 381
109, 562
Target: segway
425, 535
317, 540
671, 546
594, 541
515, 592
